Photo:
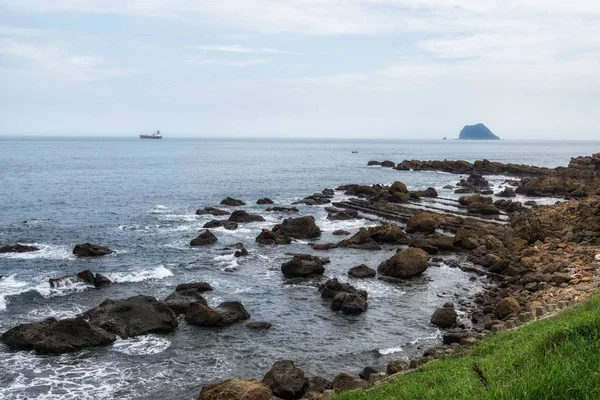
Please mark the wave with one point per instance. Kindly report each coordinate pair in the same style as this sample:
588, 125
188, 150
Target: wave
398, 349
46, 252
139, 276
159, 209
227, 261
142, 345
9, 286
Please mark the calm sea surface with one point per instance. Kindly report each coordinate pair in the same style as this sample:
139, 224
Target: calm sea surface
139, 197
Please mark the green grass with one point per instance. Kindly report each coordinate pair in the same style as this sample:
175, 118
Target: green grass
555, 358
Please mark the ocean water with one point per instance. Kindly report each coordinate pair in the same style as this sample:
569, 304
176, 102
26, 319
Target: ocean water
139, 198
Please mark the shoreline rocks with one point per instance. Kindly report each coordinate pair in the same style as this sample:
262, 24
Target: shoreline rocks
405, 264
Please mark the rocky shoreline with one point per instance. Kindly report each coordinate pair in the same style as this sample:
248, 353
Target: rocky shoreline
535, 258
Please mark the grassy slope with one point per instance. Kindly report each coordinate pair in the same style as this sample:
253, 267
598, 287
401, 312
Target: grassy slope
556, 358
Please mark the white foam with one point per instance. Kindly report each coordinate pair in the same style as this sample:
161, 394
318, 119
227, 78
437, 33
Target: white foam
226, 261
159, 209
142, 345
10, 286
139, 276
597, 258
46, 251
391, 350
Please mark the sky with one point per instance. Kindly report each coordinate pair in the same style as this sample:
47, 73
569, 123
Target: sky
528, 69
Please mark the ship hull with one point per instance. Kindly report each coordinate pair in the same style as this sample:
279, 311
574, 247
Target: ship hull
150, 137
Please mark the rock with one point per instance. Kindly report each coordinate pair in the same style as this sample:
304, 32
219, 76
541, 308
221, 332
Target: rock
212, 211
468, 200
204, 239
349, 303
506, 307
477, 132
345, 382
507, 192
429, 192
362, 271
17, 248
223, 315
264, 200
444, 317
360, 240
483, 208
371, 163
333, 287
340, 232
328, 192
387, 233
317, 384
323, 246
299, 228
232, 202
180, 300
282, 209
422, 222
396, 366
87, 277
398, 188
328, 395
449, 338
55, 337
199, 286
215, 223
302, 267
388, 164
269, 238
286, 380
434, 245
475, 183
366, 372
342, 215
259, 326
405, 264
241, 251
132, 317
91, 250
234, 389
241, 216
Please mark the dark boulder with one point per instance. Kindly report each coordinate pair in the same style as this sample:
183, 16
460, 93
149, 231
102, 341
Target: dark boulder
241, 216
507, 192
232, 202
204, 239
340, 232
349, 303
396, 366
362, 271
366, 373
282, 209
388, 164
342, 215
17, 248
241, 250
361, 240
134, 316
269, 238
212, 211
216, 223
388, 233
299, 228
422, 222
199, 286
55, 337
302, 267
444, 317
405, 264
91, 250
333, 287
287, 381
264, 200
179, 301
223, 315
317, 384
87, 277
372, 163
323, 246
345, 382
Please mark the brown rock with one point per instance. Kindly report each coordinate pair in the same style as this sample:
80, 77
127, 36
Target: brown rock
506, 307
362, 271
233, 389
405, 264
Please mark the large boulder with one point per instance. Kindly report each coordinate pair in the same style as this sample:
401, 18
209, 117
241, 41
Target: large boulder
333, 287
87, 277
270, 238
232, 202
212, 211
179, 301
132, 317
349, 303
388, 233
242, 216
299, 228
405, 264
362, 271
361, 240
287, 381
206, 238
302, 267
17, 248
506, 307
422, 222
224, 314
444, 317
234, 389
91, 250
55, 337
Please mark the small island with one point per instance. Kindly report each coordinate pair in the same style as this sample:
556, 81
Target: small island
477, 132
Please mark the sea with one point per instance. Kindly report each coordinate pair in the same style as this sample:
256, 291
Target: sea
139, 198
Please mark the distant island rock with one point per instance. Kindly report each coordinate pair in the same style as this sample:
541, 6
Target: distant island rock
477, 132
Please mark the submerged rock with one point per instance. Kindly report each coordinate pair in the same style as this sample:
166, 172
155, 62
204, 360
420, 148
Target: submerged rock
333, 287
405, 264
287, 381
212, 211
362, 271
216, 223
259, 326
283, 209
243, 216
91, 250
179, 301
234, 389
340, 232
223, 315
17, 248
299, 228
264, 200
87, 277
200, 286
134, 316
349, 303
204, 239
232, 202
55, 337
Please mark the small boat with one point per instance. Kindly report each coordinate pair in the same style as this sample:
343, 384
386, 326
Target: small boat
155, 135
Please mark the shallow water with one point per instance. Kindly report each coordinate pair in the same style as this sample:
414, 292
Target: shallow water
139, 198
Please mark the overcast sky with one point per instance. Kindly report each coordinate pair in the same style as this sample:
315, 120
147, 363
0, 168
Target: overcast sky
528, 69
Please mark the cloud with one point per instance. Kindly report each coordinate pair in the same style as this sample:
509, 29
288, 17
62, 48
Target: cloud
229, 63
238, 49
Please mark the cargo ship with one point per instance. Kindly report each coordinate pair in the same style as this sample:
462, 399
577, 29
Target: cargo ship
155, 135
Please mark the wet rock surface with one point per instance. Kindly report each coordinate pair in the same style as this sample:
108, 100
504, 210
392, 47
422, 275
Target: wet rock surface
91, 250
